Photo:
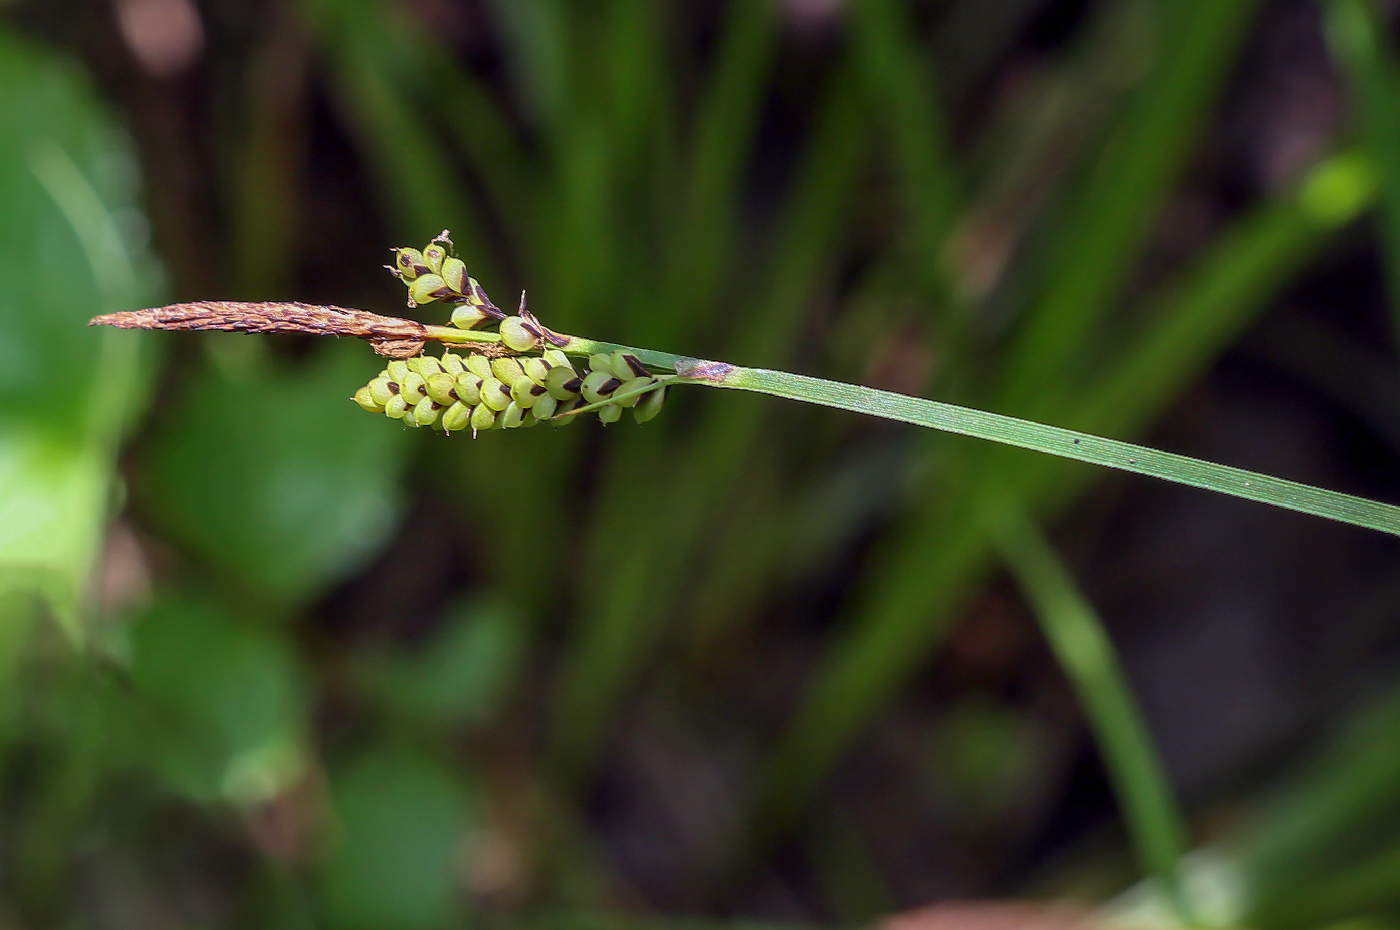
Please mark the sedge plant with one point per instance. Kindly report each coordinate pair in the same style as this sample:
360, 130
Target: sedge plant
521, 373
502, 371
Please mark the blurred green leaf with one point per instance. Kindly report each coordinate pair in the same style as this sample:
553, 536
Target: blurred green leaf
402, 820
68, 391
227, 698
462, 673
273, 476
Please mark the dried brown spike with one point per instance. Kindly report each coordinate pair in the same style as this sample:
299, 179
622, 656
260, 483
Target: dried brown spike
389, 335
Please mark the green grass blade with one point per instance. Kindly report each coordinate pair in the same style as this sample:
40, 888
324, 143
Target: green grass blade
620, 623
1361, 45
375, 68
1071, 444
704, 237
901, 85
904, 612
1083, 649
1099, 246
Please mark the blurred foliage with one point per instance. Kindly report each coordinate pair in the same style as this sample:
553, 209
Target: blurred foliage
751, 661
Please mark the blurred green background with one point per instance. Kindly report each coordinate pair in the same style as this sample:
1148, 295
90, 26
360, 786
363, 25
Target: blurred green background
269, 661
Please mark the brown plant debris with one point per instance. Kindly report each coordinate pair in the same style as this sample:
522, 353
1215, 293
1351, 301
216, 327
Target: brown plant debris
391, 336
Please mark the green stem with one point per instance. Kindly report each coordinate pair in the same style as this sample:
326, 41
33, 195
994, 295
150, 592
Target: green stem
1012, 431
1084, 651
1071, 444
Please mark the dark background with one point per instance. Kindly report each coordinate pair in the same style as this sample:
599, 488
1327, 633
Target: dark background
747, 662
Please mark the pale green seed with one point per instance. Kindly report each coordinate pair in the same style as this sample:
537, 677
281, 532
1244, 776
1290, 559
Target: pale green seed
507, 370
483, 417
527, 393
365, 399
512, 416
410, 263
454, 272
650, 405
468, 388
380, 390
634, 384
452, 364
545, 406
465, 316
519, 335
495, 394
456, 417
411, 387
627, 366
396, 407
563, 383
565, 407
610, 413
600, 362
599, 386
536, 369
427, 365
425, 411
397, 370
440, 387
434, 254
556, 358
479, 365
428, 288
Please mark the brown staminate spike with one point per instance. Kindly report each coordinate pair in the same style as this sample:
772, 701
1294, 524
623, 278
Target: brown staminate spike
391, 336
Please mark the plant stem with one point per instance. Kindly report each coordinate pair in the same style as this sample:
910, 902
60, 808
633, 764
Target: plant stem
1084, 651
1039, 437
1071, 444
